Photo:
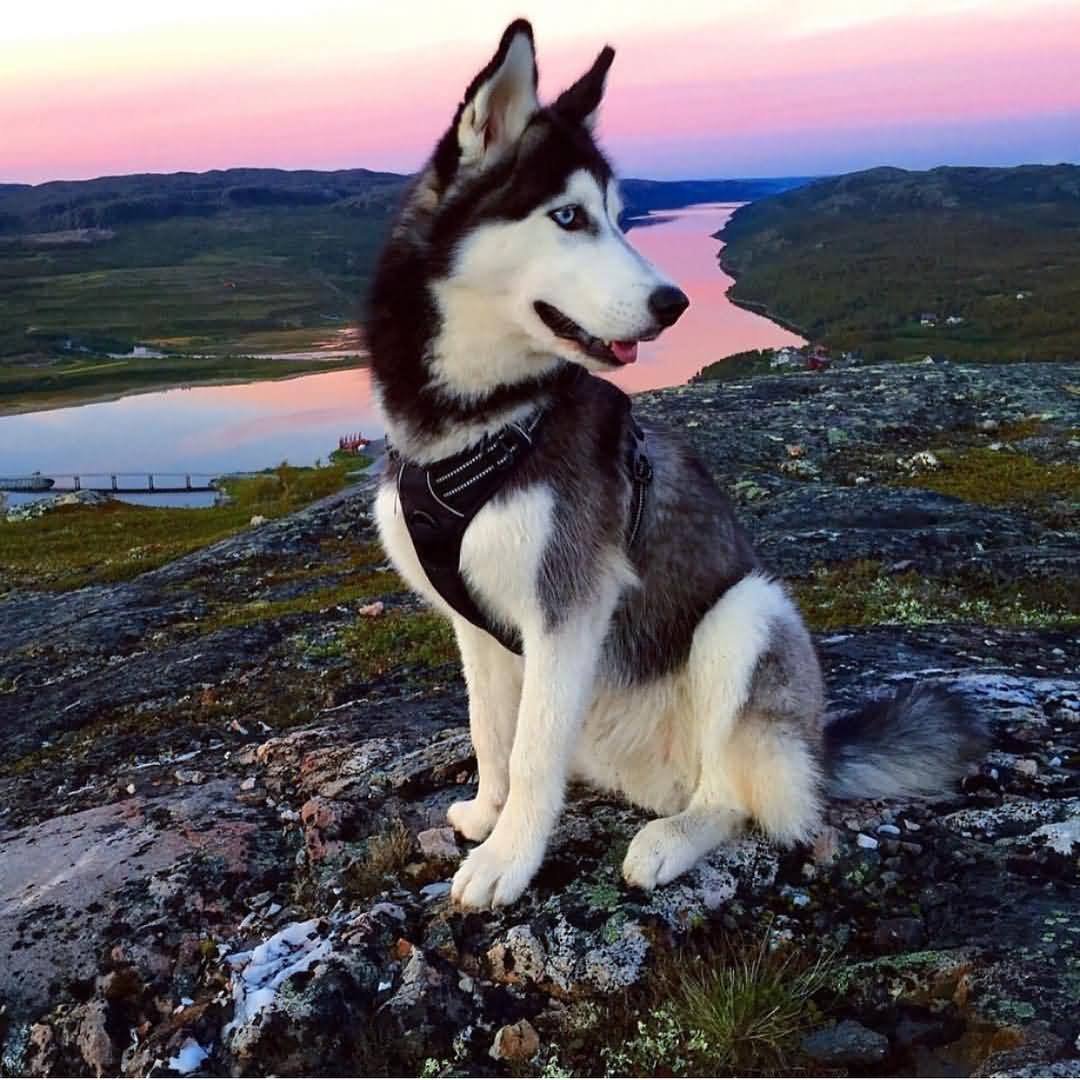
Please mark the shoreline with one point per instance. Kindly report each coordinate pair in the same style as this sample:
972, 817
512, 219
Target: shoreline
52, 404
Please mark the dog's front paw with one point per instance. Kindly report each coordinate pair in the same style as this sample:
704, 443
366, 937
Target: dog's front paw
491, 877
657, 855
473, 819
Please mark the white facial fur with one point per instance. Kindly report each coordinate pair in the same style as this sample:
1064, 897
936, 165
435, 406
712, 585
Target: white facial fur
491, 332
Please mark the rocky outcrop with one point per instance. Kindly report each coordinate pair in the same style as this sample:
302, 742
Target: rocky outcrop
222, 823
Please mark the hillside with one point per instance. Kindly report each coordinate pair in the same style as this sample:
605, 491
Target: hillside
224, 778
186, 261
992, 255
223, 261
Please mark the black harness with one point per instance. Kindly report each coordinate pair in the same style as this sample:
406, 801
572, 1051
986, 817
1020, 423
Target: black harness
439, 502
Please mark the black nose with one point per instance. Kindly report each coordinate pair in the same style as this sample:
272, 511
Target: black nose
667, 303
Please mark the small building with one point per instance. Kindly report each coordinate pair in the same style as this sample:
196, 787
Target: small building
928, 318
954, 320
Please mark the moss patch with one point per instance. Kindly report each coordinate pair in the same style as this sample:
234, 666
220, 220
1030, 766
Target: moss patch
999, 478
349, 592
399, 639
860, 593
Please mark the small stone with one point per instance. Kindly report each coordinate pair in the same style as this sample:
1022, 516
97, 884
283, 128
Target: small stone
372, 611
889, 830
130, 789
846, 1043
436, 890
515, 1042
865, 841
439, 845
257, 519
189, 776
248, 784
1027, 767
911, 826
825, 846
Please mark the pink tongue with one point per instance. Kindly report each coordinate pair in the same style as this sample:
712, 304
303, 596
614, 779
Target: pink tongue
625, 351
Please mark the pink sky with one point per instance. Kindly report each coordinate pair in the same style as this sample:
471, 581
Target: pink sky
715, 88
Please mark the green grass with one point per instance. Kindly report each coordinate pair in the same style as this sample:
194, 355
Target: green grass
82, 545
229, 259
367, 587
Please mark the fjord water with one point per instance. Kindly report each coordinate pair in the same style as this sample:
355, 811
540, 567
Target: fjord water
218, 429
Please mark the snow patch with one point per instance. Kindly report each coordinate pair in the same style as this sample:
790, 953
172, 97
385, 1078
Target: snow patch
190, 1057
259, 972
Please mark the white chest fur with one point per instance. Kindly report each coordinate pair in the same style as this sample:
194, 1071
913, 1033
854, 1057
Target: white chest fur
500, 554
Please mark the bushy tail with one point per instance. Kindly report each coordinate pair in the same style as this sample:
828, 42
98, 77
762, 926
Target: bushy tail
916, 742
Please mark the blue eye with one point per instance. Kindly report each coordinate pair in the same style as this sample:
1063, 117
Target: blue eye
569, 217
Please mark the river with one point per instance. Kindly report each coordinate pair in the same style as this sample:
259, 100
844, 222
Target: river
216, 429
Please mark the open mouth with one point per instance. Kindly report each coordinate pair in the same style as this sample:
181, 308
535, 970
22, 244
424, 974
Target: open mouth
616, 353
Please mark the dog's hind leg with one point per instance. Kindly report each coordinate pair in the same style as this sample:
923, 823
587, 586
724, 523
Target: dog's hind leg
493, 678
754, 686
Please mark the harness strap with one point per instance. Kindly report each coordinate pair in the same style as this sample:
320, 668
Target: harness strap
440, 501
641, 474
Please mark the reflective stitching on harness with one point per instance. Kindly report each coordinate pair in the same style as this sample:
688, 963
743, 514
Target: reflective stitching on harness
434, 495
459, 469
468, 483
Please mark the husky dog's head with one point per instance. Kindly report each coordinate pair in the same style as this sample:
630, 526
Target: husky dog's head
508, 259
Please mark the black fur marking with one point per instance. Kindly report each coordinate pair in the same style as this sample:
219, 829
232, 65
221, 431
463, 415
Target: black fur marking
448, 152
581, 100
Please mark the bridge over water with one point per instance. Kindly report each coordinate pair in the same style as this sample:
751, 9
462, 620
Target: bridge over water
114, 483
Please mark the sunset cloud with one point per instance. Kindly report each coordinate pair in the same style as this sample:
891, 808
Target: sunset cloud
705, 88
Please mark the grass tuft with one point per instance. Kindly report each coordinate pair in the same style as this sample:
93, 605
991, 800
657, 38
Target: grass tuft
387, 854
741, 1009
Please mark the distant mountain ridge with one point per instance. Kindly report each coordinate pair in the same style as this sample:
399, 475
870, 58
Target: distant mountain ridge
966, 262
111, 200
643, 195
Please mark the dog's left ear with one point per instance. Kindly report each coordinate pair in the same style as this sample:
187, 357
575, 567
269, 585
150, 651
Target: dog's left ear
582, 100
500, 101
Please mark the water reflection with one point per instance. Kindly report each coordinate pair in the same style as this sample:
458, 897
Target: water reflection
250, 426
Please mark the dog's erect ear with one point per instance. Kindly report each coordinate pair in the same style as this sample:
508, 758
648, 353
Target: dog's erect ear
580, 102
500, 101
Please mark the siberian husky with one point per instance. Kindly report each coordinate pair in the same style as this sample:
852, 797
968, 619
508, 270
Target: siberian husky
658, 659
